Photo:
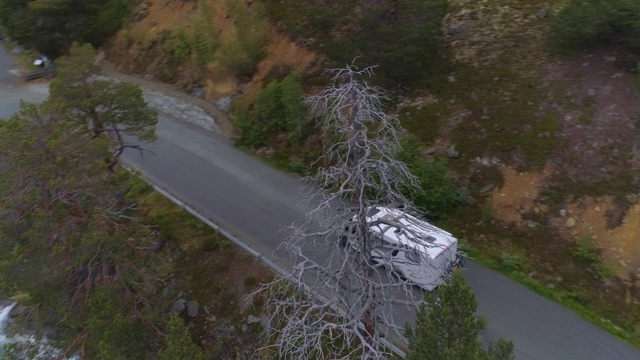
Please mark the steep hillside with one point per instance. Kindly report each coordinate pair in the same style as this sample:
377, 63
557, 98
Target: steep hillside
569, 126
549, 145
166, 37
546, 144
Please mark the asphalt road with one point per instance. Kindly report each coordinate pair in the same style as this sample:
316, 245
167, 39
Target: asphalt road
254, 202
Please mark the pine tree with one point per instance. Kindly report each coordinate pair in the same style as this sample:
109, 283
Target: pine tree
447, 327
71, 242
51, 26
105, 107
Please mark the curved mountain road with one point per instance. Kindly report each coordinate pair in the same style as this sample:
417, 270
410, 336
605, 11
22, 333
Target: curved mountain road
255, 202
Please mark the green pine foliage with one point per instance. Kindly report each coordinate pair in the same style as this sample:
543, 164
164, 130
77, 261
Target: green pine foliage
205, 36
112, 328
51, 26
187, 52
583, 23
440, 193
179, 344
178, 49
279, 108
71, 243
104, 107
447, 327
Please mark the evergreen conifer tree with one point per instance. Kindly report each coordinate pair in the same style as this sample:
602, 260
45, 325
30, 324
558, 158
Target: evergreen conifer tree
447, 327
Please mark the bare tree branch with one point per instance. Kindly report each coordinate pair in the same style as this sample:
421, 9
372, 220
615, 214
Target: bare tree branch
338, 302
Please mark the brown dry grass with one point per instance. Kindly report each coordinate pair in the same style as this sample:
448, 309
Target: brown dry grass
281, 50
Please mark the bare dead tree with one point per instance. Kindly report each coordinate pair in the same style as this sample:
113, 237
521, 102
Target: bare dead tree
338, 301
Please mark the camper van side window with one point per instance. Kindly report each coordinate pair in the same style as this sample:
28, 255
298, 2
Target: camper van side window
413, 256
377, 241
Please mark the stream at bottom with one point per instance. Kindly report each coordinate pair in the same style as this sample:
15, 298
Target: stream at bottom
26, 346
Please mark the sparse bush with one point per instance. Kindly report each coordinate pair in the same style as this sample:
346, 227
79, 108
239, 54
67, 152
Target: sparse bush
250, 281
137, 187
585, 252
605, 271
579, 297
487, 210
588, 254
223, 243
298, 166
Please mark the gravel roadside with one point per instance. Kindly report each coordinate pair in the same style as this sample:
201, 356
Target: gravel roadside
223, 124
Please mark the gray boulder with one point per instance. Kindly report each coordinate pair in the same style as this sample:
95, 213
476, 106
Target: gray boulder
192, 308
180, 306
452, 152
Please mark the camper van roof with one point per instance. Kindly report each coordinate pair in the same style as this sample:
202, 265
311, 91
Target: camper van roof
413, 232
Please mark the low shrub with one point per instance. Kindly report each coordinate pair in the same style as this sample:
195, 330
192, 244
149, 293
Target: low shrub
515, 263
279, 107
585, 252
440, 192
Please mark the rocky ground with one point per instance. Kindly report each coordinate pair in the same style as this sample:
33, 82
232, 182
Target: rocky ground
587, 187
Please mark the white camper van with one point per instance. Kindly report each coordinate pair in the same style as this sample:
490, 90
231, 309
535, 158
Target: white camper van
413, 249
